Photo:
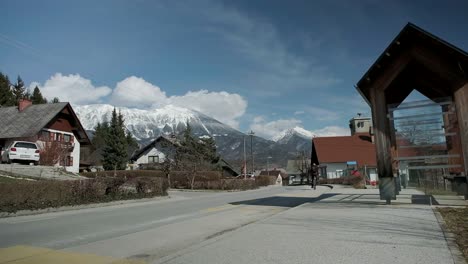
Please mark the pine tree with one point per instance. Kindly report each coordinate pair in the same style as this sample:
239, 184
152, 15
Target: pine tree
115, 152
55, 100
19, 90
37, 97
6, 95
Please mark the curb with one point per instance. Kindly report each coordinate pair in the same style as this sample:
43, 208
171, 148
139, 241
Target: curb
80, 207
457, 255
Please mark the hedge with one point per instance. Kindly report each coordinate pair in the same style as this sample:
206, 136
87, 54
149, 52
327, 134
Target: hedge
35, 195
205, 180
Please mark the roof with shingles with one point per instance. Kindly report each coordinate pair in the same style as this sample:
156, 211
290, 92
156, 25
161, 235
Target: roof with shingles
357, 148
27, 123
171, 141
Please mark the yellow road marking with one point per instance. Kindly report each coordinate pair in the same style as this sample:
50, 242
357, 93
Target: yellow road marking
26, 255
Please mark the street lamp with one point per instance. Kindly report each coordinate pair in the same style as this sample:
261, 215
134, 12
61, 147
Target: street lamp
251, 134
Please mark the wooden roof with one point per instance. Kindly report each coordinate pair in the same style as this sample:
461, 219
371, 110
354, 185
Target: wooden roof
27, 123
416, 59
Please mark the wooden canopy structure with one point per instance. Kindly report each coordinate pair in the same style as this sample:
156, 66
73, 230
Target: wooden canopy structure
414, 60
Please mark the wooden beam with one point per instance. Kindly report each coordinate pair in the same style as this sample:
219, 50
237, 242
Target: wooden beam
461, 102
382, 133
391, 72
439, 65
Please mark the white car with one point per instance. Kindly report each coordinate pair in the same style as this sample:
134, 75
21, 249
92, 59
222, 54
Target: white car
21, 151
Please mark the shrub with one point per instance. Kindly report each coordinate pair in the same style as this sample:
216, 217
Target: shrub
43, 194
124, 173
265, 180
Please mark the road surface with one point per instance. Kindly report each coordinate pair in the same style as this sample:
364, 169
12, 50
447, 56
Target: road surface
155, 228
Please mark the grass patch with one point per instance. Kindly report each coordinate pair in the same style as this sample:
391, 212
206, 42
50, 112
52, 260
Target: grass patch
457, 222
7, 179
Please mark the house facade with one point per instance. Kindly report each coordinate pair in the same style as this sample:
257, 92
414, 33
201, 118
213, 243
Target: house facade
55, 128
155, 153
337, 156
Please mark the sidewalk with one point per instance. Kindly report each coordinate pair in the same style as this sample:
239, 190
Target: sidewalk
341, 226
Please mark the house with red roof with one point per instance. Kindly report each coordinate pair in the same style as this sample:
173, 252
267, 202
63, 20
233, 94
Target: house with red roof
336, 155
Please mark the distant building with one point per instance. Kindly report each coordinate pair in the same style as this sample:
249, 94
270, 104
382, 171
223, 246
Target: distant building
155, 153
163, 148
337, 155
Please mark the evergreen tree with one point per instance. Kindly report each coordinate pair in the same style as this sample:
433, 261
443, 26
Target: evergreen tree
209, 150
6, 95
55, 100
100, 134
115, 151
132, 145
37, 97
19, 90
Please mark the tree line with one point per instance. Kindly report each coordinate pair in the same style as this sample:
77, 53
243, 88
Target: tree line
11, 93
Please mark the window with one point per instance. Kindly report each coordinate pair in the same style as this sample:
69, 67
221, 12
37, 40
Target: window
44, 135
66, 138
25, 145
69, 161
360, 124
58, 137
153, 159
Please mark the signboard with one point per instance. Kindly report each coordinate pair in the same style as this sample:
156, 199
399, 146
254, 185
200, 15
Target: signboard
351, 163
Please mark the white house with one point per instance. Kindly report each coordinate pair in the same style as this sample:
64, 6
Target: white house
155, 152
46, 124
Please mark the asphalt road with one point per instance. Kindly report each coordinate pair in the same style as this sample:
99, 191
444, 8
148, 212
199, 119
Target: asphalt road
343, 225
71, 229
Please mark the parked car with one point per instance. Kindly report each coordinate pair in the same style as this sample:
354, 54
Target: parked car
21, 151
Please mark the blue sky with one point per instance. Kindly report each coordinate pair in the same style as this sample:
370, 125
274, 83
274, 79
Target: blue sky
262, 65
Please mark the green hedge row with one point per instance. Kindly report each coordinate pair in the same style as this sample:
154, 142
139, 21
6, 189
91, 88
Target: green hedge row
35, 195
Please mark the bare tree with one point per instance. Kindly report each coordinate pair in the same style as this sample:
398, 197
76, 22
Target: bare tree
53, 153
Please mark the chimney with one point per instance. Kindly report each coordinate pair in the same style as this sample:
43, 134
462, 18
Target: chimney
23, 104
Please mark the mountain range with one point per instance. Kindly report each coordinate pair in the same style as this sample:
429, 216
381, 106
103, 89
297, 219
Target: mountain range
145, 125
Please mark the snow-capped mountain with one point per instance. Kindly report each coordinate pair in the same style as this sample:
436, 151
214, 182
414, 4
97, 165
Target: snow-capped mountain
148, 124
285, 135
145, 125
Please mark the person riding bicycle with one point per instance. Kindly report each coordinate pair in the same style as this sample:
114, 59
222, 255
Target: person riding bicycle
315, 175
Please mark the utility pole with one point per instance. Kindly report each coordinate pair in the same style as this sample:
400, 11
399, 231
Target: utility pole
245, 161
251, 134
268, 170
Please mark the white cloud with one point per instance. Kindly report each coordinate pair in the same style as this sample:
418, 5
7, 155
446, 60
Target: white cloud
331, 131
299, 112
225, 107
136, 92
72, 88
270, 129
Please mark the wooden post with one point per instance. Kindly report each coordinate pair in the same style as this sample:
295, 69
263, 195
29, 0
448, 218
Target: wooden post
383, 145
461, 103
